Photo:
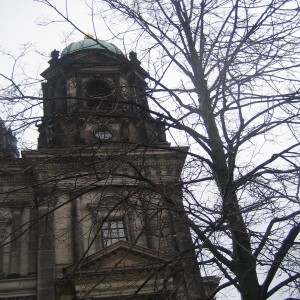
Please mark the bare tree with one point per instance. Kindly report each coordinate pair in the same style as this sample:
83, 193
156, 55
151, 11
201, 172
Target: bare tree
229, 72
224, 78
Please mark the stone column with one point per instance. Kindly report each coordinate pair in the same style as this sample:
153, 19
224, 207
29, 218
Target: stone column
3, 240
77, 235
16, 232
32, 243
46, 255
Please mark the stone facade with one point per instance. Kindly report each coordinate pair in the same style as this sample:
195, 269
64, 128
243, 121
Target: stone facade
96, 211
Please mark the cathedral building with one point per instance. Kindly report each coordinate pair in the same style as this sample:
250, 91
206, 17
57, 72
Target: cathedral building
96, 211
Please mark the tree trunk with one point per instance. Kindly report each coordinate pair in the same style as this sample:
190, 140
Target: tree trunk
244, 263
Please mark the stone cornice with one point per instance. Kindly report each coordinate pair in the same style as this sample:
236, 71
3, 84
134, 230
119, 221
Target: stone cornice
105, 150
20, 287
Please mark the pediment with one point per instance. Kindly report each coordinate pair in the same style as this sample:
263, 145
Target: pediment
120, 256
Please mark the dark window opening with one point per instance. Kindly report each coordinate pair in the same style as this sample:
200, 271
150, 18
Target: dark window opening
98, 88
100, 91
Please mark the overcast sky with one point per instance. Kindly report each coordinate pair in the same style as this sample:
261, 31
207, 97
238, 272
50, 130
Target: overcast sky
20, 24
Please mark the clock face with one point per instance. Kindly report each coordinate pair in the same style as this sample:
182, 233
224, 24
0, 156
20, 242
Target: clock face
103, 134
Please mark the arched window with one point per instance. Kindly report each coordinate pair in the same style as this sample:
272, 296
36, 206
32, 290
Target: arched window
112, 221
113, 231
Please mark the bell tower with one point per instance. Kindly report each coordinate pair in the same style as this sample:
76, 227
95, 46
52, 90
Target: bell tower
95, 94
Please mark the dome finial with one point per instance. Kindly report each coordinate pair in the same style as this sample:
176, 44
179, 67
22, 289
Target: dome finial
88, 36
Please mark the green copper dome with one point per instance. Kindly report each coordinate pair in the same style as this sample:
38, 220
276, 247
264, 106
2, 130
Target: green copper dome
92, 44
